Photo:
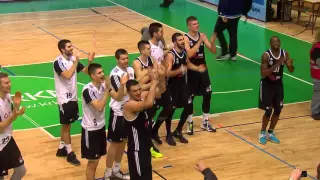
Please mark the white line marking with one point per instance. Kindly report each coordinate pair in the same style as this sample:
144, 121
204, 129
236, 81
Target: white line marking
39, 77
199, 4
217, 45
37, 125
70, 17
97, 56
234, 91
55, 10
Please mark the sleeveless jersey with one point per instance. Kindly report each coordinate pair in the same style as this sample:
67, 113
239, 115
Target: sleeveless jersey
157, 51
5, 112
178, 60
277, 73
138, 134
199, 57
148, 64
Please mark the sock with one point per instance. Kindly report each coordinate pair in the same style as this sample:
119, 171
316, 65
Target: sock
116, 167
270, 131
205, 117
190, 118
61, 145
108, 172
69, 149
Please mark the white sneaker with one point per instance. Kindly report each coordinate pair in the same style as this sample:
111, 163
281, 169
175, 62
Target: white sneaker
120, 175
233, 58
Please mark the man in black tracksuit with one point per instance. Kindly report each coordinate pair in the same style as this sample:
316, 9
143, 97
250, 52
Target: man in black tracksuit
230, 12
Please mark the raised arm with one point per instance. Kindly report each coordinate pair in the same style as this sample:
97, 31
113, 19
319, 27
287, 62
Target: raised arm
91, 98
289, 63
192, 51
117, 86
265, 71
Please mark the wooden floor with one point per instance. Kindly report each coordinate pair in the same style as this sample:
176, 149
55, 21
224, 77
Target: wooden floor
232, 153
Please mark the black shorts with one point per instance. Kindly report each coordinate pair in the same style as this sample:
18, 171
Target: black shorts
181, 96
199, 83
69, 112
165, 99
93, 143
10, 157
116, 132
270, 95
139, 163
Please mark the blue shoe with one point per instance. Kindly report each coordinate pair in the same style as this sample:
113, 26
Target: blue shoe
271, 137
262, 137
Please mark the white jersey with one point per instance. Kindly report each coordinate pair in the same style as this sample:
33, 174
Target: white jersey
116, 74
157, 51
92, 119
5, 112
66, 90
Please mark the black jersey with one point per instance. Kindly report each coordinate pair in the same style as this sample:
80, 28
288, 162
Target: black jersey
199, 57
144, 66
138, 135
178, 60
277, 73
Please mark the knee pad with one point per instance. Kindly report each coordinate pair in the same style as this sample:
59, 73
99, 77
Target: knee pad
268, 112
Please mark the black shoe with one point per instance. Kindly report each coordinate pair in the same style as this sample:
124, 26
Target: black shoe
62, 152
179, 135
155, 149
156, 138
166, 4
170, 140
72, 158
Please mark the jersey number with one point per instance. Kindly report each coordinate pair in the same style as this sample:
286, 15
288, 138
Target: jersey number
5, 140
95, 122
277, 69
69, 95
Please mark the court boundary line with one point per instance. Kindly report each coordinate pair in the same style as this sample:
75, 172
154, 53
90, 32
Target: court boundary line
37, 125
51, 61
234, 91
74, 9
200, 4
230, 131
247, 58
68, 17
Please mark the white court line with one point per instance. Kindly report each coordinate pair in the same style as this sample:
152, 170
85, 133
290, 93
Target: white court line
70, 17
234, 91
217, 45
55, 10
200, 4
37, 125
40, 77
97, 56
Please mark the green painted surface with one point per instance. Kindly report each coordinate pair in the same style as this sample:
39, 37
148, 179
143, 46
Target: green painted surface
225, 76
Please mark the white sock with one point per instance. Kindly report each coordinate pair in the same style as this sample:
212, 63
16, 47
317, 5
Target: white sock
116, 167
108, 172
69, 149
61, 145
205, 117
190, 118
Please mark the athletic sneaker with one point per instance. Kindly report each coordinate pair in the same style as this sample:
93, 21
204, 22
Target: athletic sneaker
62, 152
190, 128
171, 141
156, 138
155, 154
120, 175
223, 57
233, 58
179, 135
262, 137
208, 127
271, 137
72, 158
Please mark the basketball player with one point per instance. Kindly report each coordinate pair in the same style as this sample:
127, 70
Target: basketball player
136, 125
199, 83
66, 67
140, 66
116, 134
271, 87
177, 63
10, 155
93, 137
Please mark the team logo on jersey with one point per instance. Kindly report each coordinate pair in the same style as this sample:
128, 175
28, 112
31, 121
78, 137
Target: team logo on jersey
177, 61
130, 75
271, 62
191, 43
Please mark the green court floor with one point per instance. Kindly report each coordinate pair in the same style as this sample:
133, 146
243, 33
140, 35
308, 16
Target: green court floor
235, 84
